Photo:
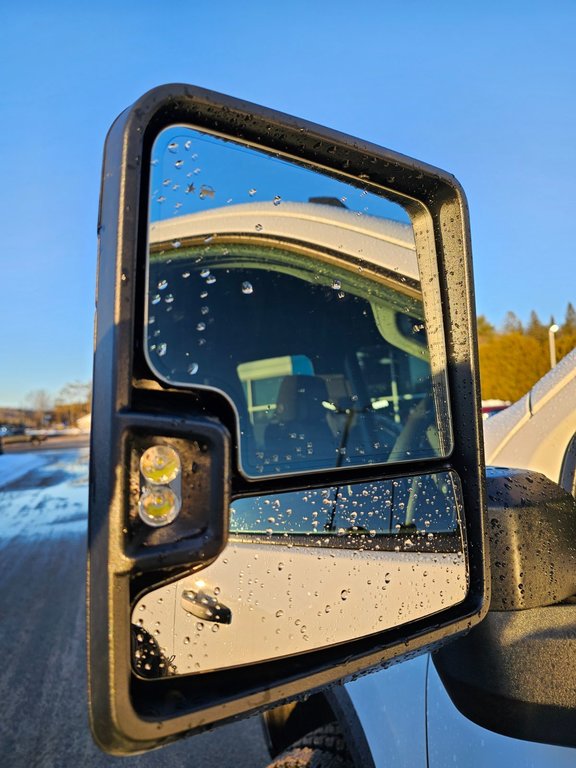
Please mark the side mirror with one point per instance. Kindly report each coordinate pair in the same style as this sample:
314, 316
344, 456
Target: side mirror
286, 470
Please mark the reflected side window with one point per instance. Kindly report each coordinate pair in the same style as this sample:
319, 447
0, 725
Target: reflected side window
316, 360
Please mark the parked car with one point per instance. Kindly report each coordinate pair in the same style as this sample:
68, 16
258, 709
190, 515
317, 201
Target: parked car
492, 407
10, 435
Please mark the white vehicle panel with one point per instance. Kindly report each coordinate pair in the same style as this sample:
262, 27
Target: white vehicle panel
391, 706
381, 241
288, 600
455, 740
534, 433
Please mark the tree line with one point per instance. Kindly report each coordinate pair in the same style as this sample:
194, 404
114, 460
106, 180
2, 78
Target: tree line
514, 357
72, 401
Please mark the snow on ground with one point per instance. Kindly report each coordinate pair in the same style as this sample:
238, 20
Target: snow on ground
46, 497
13, 466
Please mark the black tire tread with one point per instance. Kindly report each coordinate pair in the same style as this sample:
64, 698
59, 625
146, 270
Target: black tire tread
323, 748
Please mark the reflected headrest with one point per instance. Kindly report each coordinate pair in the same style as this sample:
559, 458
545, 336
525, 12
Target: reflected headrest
301, 397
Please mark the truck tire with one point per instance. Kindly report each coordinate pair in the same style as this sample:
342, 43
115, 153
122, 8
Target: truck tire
322, 748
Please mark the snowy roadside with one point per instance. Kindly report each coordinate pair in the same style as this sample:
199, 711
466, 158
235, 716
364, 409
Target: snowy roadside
15, 465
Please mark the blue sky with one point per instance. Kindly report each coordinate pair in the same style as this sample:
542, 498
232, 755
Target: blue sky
485, 91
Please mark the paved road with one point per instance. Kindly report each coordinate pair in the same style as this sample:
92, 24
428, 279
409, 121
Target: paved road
58, 442
43, 720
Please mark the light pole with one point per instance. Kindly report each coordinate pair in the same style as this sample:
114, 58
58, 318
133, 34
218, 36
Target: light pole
552, 343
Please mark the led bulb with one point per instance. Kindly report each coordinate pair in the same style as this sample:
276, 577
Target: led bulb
158, 506
160, 464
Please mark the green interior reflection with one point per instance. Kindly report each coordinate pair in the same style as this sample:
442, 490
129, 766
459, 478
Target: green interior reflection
376, 514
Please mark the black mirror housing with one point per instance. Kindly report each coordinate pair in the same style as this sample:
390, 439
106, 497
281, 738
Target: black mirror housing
134, 410
513, 673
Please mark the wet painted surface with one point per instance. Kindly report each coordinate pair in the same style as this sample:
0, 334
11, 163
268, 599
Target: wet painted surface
43, 515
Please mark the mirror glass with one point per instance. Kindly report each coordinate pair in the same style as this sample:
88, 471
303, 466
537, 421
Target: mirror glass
297, 295
353, 560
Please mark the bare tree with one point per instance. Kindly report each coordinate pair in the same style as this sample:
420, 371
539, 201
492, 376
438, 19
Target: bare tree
73, 401
40, 402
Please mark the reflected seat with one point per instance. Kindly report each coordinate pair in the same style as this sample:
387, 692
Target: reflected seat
300, 429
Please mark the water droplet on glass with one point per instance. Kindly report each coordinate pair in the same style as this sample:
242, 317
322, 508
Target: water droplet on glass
201, 327
206, 191
193, 369
173, 146
277, 200
210, 280
156, 299
215, 628
176, 243
247, 287
205, 273
186, 640
344, 594
169, 299
161, 349
204, 310
185, 275
162, 285
258, 227
279, 613
336, 285
199, 626
252, 192
178, 163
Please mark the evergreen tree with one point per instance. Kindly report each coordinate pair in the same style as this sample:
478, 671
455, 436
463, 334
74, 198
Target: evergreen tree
511, 364
512, 323
569, 324
535, 328
486, 330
